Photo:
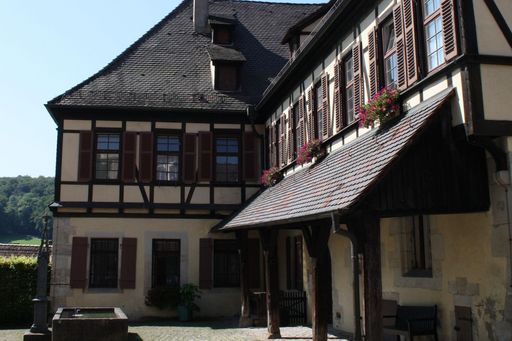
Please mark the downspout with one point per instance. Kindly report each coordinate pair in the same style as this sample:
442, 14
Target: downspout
355, 272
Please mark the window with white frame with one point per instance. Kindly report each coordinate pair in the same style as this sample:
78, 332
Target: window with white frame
433, 33
349, 89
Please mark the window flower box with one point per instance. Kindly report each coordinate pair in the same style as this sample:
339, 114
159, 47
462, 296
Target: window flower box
309, 151
271, 177
382, 107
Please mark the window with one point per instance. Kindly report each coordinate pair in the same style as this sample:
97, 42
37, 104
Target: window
166, 262
222, 35
277, 137
317, 111
226, 263
389, 51
417, 254
433, 33
103, 263
168, 157
226, 77
349, 89
227, 159
107, 156
294, 274
295, 129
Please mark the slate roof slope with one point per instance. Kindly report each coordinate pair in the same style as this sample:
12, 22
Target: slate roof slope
340, 180
7, 250
169, 67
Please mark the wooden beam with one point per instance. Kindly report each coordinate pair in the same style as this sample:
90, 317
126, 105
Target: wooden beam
269, 245
245, 318
316, 239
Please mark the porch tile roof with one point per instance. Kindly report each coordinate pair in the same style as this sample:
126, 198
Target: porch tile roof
341, 179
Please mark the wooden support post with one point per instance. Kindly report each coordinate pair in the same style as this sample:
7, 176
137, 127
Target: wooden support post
370, 226
269, 245
316, 243
245, 318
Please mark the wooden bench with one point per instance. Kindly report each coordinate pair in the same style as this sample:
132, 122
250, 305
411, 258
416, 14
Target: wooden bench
411, 321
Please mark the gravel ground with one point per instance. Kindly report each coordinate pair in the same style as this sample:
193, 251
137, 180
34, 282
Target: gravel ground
194, 331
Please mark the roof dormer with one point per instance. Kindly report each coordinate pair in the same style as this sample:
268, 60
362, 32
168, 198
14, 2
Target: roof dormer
222, 28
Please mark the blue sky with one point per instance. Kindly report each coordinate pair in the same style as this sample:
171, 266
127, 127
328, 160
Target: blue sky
46, 48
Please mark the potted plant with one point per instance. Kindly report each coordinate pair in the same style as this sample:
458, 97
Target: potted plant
271, 176
382, 107
310, 150
175, 297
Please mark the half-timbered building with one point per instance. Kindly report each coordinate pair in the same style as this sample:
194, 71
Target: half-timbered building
157, 148
411, 212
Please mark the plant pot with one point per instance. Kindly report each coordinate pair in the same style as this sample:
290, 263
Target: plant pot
184, 313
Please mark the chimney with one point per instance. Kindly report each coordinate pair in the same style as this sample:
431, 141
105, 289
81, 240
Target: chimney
200, 16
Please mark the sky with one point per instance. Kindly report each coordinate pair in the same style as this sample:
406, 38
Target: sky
47, 47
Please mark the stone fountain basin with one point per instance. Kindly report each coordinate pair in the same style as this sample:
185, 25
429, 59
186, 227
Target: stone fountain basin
89, 323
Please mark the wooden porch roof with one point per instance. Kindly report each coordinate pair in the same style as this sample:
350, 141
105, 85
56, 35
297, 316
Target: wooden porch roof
340, 181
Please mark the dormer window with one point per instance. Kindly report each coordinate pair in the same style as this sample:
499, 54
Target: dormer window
222, 35
227, 77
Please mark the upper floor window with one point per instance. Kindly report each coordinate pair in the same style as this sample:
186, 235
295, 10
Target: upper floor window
227, 77
295, 128
222, 35
107, 156
103, 263
317, 111
389, 51
433, 33
227, 159
349, 89
167, 157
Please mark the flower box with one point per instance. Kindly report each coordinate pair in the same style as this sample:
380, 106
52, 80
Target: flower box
382, 107
310, 150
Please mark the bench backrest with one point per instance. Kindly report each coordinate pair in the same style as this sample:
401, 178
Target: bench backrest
405, 313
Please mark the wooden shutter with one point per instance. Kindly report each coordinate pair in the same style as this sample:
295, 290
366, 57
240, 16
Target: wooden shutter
373, 53
400, 47
449, 20
409, 14
189, 158
205, 156
251, 159
326, 131
205, 263
358, 78
291, 132
129, 151
302, 124
273, 143
282, 139
85, 156
146, 157
128, 263
78, 263
310, 118
338, 103
253, 262
463, 323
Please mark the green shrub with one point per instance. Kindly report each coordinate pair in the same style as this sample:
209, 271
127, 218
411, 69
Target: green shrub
18, 278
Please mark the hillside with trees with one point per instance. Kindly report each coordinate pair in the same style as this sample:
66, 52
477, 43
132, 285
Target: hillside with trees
23, 201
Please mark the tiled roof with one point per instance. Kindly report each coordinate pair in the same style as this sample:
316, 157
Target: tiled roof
169, 67
7, 250
340, 180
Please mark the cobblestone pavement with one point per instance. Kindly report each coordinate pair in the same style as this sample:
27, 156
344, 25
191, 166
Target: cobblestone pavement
194, 331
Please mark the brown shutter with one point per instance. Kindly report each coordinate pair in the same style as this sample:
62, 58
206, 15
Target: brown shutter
205, 156
128, 263
448, 18
78, 263
146, 157
373, 44
400, 47
282, 139
302, 123
358, 78
310, 118
189, 158
253, 262
326, 131
129, 151
410, 41
85, 156
291, 152
251, 164
338, 95
205, 263
273, 144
